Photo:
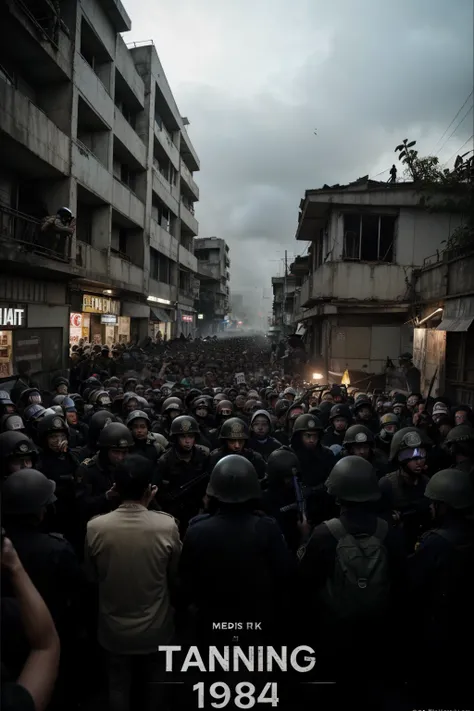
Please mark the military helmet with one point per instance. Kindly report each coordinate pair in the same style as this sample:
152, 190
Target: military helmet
234, 480
60, 380
307, 423
98, 421
362, 401
461, 433
406, 438
11, 423
282, 407
58, 399
69, 405
358, 434
5, 398
234, 428
339, 411
33, 412
26, 492
224, 405
51, 424
202, 401
171, 403
27, 393
282, 463
353, 479
15, 444
289, 391
115, 436
452, 487
137, 415
184, 425
389, 419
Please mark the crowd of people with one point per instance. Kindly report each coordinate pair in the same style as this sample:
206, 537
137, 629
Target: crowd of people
146, 498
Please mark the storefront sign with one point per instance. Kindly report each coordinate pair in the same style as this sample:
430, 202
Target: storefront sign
109, 319
75, 327
13, 316
100, 305
158, 300
188, 319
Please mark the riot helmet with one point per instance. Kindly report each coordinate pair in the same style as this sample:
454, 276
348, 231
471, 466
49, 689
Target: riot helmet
234, 481
353, 479
27, 492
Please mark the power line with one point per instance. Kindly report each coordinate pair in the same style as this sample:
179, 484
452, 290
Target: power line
459, 149
454, 119
454, 131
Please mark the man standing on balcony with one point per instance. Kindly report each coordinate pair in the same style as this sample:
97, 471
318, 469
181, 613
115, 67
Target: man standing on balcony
56, 230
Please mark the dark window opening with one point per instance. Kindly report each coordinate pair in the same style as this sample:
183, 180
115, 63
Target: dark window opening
369, 237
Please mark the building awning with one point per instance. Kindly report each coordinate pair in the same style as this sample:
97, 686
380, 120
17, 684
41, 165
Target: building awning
455, 324
301, 330
135, 310
160, 315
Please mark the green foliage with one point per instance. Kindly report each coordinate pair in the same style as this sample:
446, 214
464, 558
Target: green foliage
443, 190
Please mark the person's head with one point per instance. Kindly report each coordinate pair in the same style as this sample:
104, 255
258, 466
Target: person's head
389, 424
339, 417
130, 402
353, 482
462, 415
261, 424
413, 401
133, 478
359, 441
172, 408
234, 482
451, 492
65, 215
138, 423
17, 451
307, 430
408, 451
53, 433
26, 494
234, 434
183, 433
459, 442
440, 411
200, 407
115, 441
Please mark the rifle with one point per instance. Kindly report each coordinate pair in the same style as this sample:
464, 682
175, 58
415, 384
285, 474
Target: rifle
181, 491
300, 500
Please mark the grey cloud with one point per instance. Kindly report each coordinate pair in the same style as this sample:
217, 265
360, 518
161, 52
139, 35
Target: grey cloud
394, 70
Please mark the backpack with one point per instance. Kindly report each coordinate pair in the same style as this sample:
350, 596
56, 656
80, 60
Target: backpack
360, 585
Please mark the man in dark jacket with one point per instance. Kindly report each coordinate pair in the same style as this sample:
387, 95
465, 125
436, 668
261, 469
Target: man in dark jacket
261, 440
233, 436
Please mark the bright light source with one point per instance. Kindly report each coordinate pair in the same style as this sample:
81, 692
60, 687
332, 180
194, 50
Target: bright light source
200, 317
317, 376
240, 323
346, 379
108, 292
158, 300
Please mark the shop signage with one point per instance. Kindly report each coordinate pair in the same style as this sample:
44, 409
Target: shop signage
109, 319
75, 327
100, 305
188, 319
13, 316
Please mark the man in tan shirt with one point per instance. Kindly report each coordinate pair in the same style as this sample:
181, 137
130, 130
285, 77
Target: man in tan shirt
133, 553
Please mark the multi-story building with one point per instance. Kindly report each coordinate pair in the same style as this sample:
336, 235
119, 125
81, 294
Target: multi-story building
366, 238
285, 290
88, 123
213, 259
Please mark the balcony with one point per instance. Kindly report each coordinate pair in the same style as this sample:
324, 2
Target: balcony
189, 181
186, 298
26, 127
127, 203
188, 218
127, 136
126, 274
162, 291
94, 91
92, 261
90, 172
162, 241
126, 67
23, 231
165, 140
187, 259
162, 188
355, 281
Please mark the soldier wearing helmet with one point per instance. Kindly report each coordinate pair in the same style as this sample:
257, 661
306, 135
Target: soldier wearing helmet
339, 420
233, 438
261, 439
61, 386
404, 488
279, 498
364, 413
288, 413
7, 406
341, 625
315, 460
234, 559
12, 423
359, 441
224, 411
78, 431
48, 558
171, 408
459, 444
181, 472
96, 489
146, 442
440, 572
201, 411
389, 424
96, 424
17, 451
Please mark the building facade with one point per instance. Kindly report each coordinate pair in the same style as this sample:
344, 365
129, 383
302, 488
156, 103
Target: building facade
89, 123
367, 238
212, 254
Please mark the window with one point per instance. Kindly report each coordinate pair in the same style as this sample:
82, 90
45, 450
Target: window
369, 237
160, 266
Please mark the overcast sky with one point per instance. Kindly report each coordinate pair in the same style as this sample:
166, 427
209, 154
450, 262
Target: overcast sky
257, 77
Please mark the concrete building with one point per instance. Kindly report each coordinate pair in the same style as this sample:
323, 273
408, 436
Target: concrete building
366, 238
285, 291
88, 123
443, 314
212, 254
